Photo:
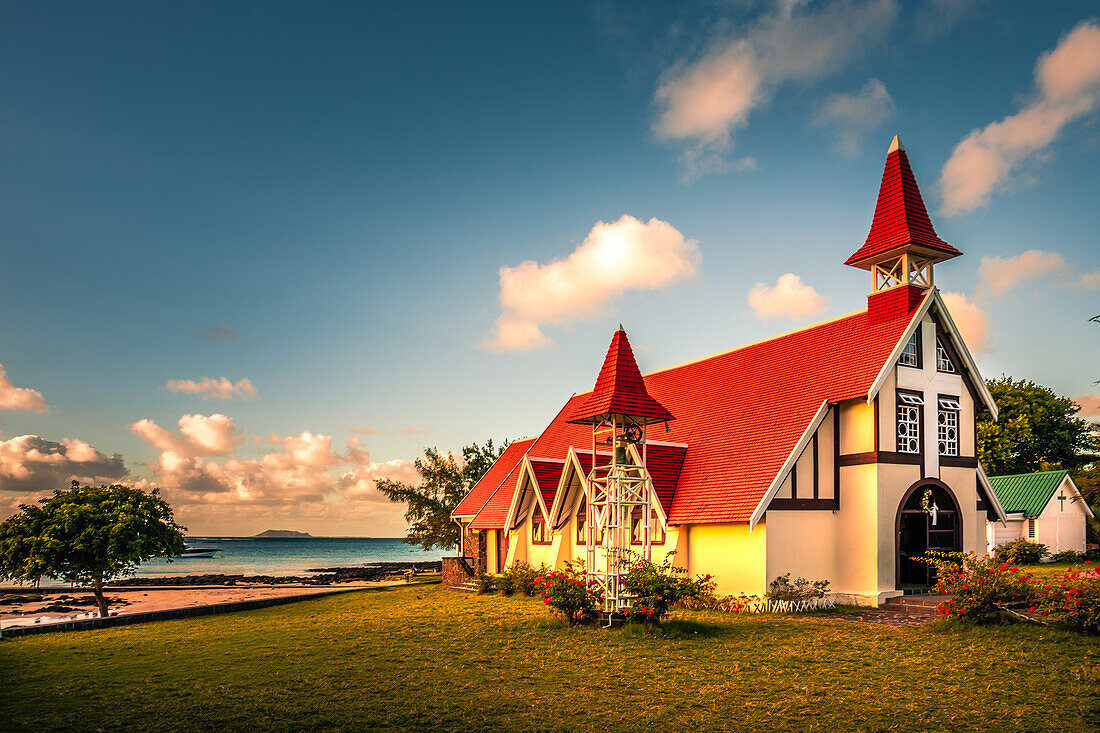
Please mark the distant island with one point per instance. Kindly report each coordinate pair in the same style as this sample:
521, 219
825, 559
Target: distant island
283, 533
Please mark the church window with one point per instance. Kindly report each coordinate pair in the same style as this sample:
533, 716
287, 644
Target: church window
943, 359
1031, 528
947, 422
909, 414
582, 519
910, 355
540, 535
637, 529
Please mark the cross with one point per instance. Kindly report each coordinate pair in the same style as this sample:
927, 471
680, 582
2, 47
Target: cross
1062, 500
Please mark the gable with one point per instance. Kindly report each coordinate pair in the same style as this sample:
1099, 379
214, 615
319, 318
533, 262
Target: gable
1026, 493
488, 484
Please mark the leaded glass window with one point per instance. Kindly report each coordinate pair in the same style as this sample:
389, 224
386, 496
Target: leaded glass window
909, 413
947, 426
910, 355
943, 360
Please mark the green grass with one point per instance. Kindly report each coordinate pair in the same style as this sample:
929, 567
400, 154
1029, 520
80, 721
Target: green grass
423, 658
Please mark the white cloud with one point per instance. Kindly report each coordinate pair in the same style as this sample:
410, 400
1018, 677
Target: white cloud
214, 389
971, 320
788, 298
998, 275
200, 435
849, 116
19, 398
298, 473
614, 258
29, 463
1090, 405
1067, 88
702, 104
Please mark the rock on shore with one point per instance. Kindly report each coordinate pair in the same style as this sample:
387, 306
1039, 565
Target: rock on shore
324, 576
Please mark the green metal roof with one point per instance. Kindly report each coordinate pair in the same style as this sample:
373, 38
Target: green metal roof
1026, 493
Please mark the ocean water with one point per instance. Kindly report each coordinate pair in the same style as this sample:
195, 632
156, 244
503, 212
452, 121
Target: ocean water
292, 556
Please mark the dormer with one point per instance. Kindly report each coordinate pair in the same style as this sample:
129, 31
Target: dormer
902, 246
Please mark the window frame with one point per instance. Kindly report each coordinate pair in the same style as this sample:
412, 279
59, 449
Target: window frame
947, 405
917, 352
943, 355
635, 523
582, 519
539, 521
909, 401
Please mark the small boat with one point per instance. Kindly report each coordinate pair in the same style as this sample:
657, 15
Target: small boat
190, 552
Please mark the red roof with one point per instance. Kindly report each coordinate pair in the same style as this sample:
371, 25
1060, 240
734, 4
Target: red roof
900, 216
483, 490
742, 412
547, 475
620, 389
494, 515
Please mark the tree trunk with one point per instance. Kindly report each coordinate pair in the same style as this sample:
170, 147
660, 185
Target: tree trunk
97, 589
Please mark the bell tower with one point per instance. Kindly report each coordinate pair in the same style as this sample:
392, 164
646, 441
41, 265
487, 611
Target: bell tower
619, 410
902, 246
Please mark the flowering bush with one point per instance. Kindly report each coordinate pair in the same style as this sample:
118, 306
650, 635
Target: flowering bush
979, 585
569, 592
1072, 600
782, 589
524, 576
658, 587
1021, 552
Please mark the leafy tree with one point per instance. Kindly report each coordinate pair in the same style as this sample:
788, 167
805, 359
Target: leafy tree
1036, 428
443, 483
92, 533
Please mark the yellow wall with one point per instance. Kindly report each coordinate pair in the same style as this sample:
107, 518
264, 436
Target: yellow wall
857, 432
733, 555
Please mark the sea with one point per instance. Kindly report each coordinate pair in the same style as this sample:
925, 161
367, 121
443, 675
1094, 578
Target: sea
287, 556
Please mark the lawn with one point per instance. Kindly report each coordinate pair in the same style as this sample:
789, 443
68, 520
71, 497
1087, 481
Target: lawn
423, 658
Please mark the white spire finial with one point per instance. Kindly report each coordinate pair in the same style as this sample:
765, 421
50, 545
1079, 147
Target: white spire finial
895, 145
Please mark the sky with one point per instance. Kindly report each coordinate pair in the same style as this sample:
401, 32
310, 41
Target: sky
260, 255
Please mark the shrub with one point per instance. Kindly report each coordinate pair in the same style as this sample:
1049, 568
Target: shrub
979, 585
782, 589
570, 592
506, 583
485, 582
656, 588
1021, 552
523, 577
1067, 556
1072, 600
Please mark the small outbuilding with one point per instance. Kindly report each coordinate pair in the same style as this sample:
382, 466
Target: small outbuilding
1044, 507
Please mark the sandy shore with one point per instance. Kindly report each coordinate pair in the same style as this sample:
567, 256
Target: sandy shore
80, 604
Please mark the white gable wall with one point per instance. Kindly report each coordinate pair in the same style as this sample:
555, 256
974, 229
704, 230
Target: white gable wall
1061, 525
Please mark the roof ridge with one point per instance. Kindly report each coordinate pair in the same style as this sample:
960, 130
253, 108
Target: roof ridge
1029, 473
724, 352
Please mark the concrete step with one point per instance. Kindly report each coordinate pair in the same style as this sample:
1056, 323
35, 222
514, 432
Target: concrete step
915, 605
469, 586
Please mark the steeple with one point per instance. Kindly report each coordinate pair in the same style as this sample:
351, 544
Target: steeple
620, 389
902, 245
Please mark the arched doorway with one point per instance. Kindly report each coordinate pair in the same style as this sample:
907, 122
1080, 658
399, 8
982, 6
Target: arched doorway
928, 519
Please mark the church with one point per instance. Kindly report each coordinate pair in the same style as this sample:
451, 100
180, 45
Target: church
840, 451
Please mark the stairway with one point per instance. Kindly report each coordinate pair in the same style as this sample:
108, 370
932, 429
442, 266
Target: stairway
915, 605
469, 586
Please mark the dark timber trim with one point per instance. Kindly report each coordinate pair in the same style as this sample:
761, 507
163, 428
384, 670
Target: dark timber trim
959, 461
817, 481
836, 457
801, 504
794, 478
882, 456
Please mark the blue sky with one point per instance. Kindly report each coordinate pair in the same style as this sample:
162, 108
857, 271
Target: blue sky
320, 199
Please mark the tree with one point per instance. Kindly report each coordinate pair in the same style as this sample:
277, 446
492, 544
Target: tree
92, 533
1036, 428
443, 483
